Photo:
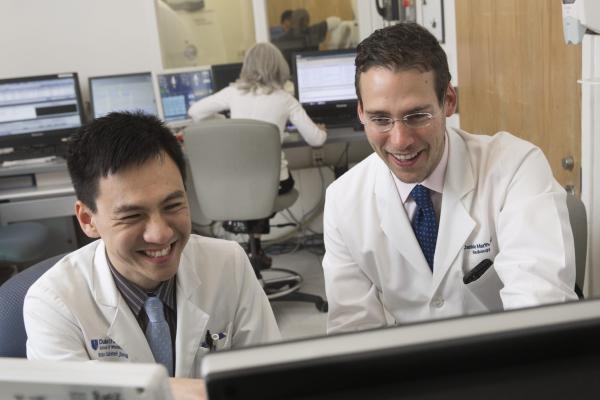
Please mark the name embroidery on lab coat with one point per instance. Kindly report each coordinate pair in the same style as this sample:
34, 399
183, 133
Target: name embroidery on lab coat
478, 248
106, 347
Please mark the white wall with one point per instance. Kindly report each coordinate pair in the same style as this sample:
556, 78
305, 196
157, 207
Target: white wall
90, 37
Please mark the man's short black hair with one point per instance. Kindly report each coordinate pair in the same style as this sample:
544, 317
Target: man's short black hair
287, 14
115, 142
402, 47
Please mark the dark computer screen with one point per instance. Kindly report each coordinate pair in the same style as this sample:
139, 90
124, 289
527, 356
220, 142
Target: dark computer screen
179, 89
324, 85
224, 74
127, 92
39, 111
544, 352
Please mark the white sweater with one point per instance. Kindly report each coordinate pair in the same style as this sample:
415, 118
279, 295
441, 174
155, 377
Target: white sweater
276, 107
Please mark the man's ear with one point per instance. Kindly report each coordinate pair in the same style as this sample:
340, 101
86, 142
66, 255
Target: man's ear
451, 100
360, 112
86, 219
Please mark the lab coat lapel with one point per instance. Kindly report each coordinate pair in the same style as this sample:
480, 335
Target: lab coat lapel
191, 320
124, 328
455, 222
394, 221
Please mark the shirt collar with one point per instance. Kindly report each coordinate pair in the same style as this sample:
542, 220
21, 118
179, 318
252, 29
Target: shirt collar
435, 180
135, 296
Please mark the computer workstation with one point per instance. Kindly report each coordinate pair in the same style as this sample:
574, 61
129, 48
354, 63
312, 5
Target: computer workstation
37, 115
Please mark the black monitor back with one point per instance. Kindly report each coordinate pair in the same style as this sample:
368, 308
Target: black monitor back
548, 352
224, 74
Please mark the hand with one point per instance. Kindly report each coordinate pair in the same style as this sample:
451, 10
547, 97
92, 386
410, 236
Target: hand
322, 127
187, 389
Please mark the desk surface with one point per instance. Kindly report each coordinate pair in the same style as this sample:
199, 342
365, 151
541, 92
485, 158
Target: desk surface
56, 165
187, 389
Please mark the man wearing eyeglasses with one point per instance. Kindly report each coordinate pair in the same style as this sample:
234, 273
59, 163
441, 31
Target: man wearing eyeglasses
437, 222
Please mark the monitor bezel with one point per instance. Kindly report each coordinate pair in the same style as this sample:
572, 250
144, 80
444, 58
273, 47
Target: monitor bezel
44, 138
159, 97
149, 74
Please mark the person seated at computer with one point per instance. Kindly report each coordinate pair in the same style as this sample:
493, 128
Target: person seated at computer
147, 290
259, 94
285, 24
302, 36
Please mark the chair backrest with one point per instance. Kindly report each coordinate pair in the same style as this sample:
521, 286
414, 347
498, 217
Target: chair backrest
12, 295
235, 166
578, 219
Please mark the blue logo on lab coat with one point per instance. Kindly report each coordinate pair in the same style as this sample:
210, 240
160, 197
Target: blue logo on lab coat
94, 344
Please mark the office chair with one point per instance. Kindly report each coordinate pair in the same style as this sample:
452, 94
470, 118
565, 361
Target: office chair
235, 166
12, 295
578, 219
21, 244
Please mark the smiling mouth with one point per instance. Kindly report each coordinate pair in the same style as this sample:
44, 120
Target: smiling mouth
406, 157
158, 252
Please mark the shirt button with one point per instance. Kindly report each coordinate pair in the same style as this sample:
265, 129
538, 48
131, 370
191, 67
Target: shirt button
438, 302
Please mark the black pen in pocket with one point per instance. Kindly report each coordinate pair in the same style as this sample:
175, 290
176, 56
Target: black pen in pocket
478, 271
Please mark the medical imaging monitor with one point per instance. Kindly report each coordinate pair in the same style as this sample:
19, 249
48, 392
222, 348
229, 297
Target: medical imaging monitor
324, 85
126, 92
224, 74
82, 380
179, 89
38, 114
547, 352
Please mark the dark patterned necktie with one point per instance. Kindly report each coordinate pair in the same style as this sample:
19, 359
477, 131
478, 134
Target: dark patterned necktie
424, 223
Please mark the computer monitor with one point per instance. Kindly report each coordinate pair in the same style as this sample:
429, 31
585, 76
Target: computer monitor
126, 92
544, 352
324, 85
24, 379
224, 74
39, 112
179, 89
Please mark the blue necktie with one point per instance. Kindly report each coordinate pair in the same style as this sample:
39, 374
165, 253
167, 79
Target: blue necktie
158, 333
424, 223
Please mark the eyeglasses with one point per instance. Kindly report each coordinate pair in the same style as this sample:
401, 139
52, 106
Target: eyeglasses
414, 120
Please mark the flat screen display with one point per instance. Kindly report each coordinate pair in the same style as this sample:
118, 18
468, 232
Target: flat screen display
39, 109
179, 89
127, 92
324, 85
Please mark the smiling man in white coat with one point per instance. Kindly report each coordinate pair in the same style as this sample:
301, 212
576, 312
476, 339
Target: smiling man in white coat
437, 222
147, 290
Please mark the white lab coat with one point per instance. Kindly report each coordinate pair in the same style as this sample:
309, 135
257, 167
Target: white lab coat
500, 202
75, 311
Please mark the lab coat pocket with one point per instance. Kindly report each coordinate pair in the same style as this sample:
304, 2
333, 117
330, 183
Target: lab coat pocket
217, 338
202, 351
486, 289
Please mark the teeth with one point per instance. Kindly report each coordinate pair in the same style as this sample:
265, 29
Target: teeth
158, 253
405, 157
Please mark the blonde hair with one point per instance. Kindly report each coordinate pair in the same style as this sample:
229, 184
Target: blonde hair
264, 68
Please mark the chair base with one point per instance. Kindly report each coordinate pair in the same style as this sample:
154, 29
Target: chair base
284, 285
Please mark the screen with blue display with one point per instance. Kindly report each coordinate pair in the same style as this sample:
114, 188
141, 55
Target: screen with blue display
178, 90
